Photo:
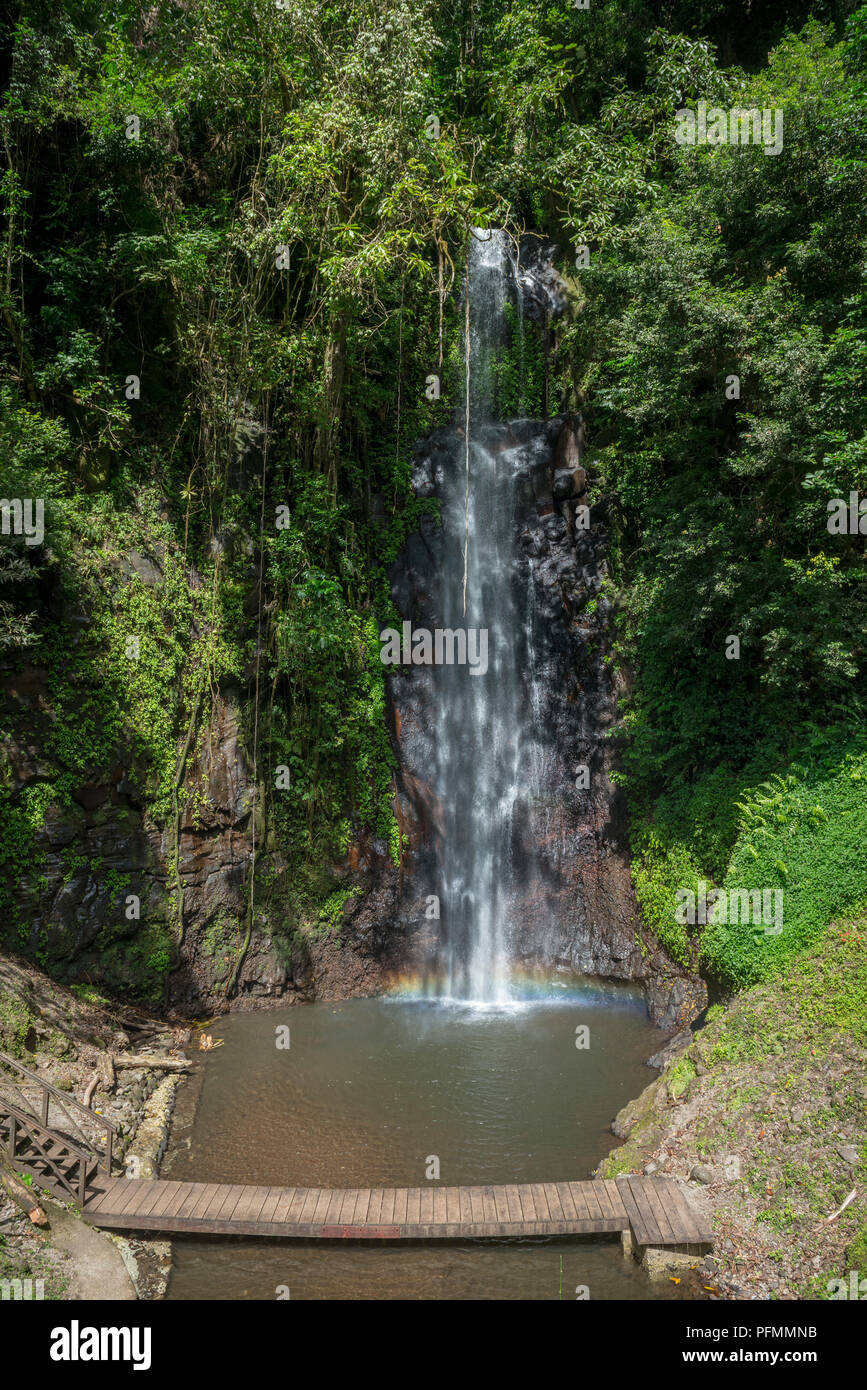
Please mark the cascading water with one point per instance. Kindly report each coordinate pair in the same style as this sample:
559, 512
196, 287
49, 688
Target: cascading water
479, 716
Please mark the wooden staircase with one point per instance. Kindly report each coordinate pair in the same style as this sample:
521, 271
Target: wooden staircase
56, 1160
50, 1159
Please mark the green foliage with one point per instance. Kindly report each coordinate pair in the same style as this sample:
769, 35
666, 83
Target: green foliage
679, 1077
518, 370
734, 263
682, 838
332, 910
747, 265
803, 833
856, 1252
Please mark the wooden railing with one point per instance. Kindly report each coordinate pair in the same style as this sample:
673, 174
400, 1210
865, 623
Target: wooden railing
50, 1155
64, 1103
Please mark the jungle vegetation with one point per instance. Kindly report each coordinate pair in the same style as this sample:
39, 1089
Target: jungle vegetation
232, 244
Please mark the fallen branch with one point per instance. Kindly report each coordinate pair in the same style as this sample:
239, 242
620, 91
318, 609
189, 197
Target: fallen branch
105, 1068
151, 1063
844, 1206
89, 1090
20, 1193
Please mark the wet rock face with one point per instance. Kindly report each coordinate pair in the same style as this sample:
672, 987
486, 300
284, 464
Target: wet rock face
573, 907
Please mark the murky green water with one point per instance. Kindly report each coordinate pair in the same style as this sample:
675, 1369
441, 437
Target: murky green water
368, 1092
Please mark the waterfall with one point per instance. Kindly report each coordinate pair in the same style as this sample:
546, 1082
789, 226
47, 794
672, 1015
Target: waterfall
478, 718
517, 865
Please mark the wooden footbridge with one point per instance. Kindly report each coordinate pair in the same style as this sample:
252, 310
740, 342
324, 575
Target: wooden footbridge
656, 1210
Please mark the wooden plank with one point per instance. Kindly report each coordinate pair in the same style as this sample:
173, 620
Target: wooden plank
169, 1199
257, 1207
250, 1205
308, 1206
100, 1193
413, 1206
601, 1196
153, 1197
281, 1211
501, 1205
347, 1206
387, 1212
208, 1192
643, 1235
374, 1211
642, 1201
298, 1201
453, 1206
594, 1210
477, 1206
576, 1192
332, 1211
528, 1205
257, 1201
465, 1203
299, 1197
426, 1206
398, 1216
101, 1197
679, 1213
128, 1196
439, 1206
567, 1202
688, 1219
319, 1211
666, 1227
616, 1202
361, 1207
558, 1221
272, 1201
513, 1201
633, 1215
347, 1211
552, 1197
187, 1199
540, 1197
224, 1211
489, 1205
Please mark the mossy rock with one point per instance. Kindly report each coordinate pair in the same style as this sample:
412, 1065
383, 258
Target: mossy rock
679, 1077
23, 1032
17, 1031
856, 1251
